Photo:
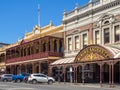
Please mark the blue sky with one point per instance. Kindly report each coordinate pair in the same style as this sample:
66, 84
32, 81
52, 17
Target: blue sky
20, 16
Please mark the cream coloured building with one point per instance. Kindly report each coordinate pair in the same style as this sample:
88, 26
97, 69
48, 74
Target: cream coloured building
91, 43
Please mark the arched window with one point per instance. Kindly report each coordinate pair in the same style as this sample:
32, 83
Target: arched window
106, 22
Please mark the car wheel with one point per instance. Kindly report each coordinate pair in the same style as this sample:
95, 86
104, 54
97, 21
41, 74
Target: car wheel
5, 80
50, 82
18, 80
34, 81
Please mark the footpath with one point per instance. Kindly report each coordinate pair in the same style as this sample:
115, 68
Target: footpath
92, 85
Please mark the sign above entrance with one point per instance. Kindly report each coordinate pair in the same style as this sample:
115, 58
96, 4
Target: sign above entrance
92, 53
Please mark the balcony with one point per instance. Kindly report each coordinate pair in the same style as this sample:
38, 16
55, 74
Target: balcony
83, 9
34, 56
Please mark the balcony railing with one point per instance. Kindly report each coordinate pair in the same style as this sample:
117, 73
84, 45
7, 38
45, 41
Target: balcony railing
34, 56
83, 8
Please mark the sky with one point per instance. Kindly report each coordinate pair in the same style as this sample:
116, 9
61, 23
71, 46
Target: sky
18, 17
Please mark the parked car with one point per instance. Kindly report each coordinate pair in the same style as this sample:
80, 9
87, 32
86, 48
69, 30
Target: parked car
38, 77
25, 79
19, 78
6, 77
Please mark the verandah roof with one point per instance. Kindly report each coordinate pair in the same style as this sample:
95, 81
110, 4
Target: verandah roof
114, 52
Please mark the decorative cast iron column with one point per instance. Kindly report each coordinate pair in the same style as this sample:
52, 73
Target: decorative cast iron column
83, 74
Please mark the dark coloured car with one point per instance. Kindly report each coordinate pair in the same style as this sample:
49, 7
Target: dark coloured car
25, 79
6, 77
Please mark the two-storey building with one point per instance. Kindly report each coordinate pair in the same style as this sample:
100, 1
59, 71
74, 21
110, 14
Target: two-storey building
2, 57
36, 50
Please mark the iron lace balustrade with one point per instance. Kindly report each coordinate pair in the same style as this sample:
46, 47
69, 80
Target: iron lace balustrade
39, 55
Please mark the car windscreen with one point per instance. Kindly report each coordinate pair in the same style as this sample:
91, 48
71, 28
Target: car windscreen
8, 75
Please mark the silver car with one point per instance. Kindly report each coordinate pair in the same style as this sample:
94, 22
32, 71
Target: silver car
6, 77
38, 77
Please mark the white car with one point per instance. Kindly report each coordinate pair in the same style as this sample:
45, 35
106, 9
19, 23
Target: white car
38, 77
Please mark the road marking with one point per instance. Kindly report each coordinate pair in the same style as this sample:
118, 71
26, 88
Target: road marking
20, 89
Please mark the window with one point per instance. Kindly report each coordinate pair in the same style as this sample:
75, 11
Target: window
106, 36
84, 40
69, 44
97, 37
76, 42
106, 22
117, 33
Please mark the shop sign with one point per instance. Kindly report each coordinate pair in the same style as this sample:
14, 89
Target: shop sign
91, 51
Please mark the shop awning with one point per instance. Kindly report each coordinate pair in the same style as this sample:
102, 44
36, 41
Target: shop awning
64, 61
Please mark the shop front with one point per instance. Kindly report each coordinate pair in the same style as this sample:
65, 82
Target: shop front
93, 64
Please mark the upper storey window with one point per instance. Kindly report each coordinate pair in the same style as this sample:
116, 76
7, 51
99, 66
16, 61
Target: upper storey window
76, 42
97, 37
106, 36
84, 40
117, 33
106, 22
69, 44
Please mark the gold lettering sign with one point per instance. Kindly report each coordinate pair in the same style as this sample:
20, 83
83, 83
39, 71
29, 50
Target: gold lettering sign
93, 52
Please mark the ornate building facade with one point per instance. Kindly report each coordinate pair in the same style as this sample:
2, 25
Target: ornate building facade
91, 44
36, 51
2, 57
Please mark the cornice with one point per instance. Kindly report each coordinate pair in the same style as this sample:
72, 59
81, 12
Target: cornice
90, 12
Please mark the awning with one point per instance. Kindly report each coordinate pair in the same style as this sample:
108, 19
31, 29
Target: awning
64, 61
115, 50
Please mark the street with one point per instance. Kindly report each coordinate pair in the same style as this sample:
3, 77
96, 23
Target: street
55, 86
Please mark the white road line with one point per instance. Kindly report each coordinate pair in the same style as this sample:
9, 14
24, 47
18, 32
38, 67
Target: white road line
20, 89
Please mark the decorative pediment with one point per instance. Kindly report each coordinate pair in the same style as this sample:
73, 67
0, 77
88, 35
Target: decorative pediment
105, 19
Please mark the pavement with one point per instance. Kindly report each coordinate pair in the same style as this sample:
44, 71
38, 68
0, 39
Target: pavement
94, 85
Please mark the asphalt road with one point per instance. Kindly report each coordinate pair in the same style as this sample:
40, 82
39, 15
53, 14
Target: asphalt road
55, 86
